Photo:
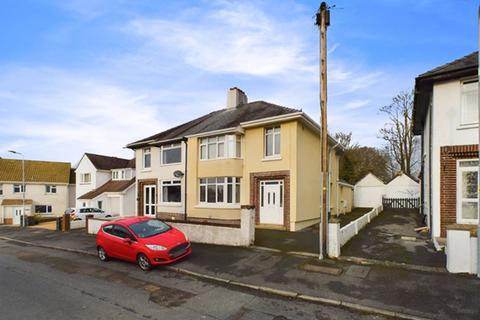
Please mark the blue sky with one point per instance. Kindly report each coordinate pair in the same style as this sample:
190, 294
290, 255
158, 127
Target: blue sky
91, 76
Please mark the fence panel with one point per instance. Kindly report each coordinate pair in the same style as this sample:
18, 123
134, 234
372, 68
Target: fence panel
401, 203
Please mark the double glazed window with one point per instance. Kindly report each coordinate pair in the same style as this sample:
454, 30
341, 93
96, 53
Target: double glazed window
220, 147
220, 190
272, 142
171, 191
86, 178
43, 209
119, 174
469, 103
17, 188
171, 153
467, 191
147, 158
50, 189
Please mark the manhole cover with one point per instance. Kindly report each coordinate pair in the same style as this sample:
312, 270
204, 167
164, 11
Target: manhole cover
358, 271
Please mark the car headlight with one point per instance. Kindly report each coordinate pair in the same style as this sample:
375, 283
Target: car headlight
156, 247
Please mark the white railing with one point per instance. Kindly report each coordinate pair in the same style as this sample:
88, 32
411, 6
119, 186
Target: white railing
338, 237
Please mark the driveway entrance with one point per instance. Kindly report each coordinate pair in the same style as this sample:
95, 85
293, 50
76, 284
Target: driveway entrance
391, 237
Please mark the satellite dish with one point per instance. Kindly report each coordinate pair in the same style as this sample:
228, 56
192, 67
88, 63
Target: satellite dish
178, 174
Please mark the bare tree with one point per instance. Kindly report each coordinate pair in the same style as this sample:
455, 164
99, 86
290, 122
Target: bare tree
345, 139
398, 132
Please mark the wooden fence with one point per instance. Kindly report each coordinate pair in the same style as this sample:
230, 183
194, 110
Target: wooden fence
401, 203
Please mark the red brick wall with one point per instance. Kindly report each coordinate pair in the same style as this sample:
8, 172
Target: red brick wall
255, 179
448, 181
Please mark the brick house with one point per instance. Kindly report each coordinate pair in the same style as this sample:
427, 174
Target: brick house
445, 115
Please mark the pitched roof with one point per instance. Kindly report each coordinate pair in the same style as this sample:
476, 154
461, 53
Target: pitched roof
466, 66
102, 162
35, 171
466, 62
109, 186
220, 119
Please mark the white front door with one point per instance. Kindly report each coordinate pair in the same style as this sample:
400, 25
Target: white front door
149, 200
271, 202
17, 215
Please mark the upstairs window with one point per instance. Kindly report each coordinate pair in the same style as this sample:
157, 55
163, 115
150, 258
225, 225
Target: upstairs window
18, 188
86, 178
469, 103
171, 153
147, 158
50, 189
272, 142
220, 147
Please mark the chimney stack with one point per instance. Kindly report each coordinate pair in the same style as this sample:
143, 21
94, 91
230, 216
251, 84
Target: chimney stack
235, 97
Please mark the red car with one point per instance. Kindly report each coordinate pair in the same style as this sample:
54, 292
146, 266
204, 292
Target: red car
144, 240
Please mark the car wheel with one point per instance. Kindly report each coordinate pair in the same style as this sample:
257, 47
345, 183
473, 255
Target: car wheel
143, 262
102, 254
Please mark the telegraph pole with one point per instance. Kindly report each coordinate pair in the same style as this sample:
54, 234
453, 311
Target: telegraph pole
478, 186
323, 21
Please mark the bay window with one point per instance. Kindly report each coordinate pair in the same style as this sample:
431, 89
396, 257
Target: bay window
220, 147
220, 190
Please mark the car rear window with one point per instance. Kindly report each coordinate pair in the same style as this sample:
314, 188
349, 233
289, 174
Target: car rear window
149, 228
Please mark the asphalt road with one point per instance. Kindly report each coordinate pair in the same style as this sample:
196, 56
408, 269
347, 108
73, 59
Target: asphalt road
38, 283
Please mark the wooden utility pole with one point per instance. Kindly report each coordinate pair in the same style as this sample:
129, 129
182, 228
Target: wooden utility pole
323, 21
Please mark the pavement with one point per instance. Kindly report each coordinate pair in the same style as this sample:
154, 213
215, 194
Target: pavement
415, 293
38, 283
391, 236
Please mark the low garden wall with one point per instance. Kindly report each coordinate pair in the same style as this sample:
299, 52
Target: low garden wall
462, 249
337, 237
207, 233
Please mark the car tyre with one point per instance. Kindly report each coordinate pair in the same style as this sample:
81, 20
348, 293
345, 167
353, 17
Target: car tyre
102, 254
143, 262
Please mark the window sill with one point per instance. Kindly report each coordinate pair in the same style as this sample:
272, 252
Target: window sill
169, 204
146, 170
273, 158
217, 206
85, 183
467, 126
220, 159
171, 164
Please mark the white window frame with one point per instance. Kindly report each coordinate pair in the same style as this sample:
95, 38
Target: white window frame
276, 134
460, 199
47, 206
83, 176
167, 183
50, 189
464, 91
231, 144
21, 188
100, 204
167, 147
235, 187
146, 152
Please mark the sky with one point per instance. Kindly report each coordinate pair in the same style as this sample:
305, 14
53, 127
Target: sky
94, 75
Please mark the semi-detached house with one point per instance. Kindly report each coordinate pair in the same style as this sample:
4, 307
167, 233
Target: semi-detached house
249, 153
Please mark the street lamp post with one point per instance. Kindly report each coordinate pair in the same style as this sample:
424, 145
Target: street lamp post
22, 219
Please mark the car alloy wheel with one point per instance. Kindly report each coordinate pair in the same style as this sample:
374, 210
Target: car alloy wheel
102, 255
143, 262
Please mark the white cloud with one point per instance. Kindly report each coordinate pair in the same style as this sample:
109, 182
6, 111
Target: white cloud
57, 115
234, 38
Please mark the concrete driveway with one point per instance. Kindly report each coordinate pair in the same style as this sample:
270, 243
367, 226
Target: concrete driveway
391, 237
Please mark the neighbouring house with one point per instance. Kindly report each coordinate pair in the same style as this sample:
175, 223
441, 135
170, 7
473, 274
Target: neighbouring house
370, 190
49, 189
107, 183
445, 115
249, 153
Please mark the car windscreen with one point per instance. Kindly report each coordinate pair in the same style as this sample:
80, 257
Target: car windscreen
149, 228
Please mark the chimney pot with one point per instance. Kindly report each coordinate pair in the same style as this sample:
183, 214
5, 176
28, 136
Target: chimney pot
235, 97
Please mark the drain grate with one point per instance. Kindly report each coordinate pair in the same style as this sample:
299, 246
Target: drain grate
358, 271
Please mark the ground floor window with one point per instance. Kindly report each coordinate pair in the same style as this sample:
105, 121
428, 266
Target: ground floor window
171, 191
43, 209
467, 191
220, 190
99, 204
